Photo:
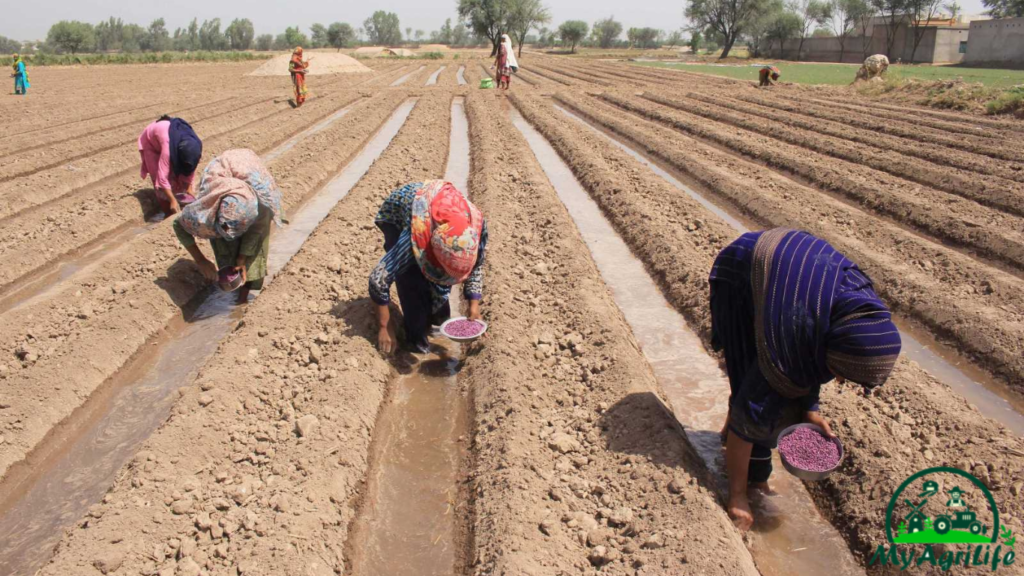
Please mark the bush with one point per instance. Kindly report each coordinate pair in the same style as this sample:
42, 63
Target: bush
1009, 102
432, 56
46, 59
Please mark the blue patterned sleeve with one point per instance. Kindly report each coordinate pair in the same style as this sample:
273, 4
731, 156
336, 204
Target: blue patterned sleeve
394, 262
473, 287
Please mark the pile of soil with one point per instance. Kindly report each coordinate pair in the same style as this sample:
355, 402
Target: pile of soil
325, 63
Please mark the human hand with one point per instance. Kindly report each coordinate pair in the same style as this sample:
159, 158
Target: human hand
241, 270
473, 312
175, 207
208, 269
385, 340
816, 419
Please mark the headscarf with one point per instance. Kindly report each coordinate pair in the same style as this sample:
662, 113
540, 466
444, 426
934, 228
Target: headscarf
446, 230
233, 188
186, 147
774, 72
510, 54
816, 315
296, 65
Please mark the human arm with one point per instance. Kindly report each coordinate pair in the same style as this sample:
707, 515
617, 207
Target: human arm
473, 287
209, 269
383, 275
162, 178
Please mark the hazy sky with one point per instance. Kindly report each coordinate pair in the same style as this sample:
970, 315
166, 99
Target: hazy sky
31, 21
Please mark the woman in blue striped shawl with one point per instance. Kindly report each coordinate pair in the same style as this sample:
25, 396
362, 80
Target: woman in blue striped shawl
790, 313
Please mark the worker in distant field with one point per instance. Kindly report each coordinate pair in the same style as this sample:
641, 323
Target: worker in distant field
170, 151
434, 238
20, 76
505, 64
237, 201
298, 68
790, 313
769, 75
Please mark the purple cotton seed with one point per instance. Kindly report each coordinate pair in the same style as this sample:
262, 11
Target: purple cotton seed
464, 328
809, 450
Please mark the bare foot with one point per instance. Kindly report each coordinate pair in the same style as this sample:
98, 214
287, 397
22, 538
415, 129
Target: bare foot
739, 511
243, 295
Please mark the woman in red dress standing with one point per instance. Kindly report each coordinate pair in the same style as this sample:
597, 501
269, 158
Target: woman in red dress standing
506, 62
298, 68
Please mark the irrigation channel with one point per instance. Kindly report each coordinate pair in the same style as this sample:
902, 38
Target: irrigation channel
991, 397
405, 78
74, 469
409, 520
432, 81
696, 388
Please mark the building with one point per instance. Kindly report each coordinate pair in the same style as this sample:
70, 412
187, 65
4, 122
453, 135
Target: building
942, 42
999, 42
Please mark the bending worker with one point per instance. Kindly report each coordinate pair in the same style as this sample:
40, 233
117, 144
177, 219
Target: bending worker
790, 313
237, 200
769, 75
170, 151
434, 238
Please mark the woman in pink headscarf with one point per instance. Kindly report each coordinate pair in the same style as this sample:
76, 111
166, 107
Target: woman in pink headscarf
435, 238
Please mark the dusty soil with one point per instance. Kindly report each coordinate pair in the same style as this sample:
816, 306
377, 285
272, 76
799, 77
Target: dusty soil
574, 467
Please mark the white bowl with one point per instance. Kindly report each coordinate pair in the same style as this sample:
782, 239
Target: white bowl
445, 333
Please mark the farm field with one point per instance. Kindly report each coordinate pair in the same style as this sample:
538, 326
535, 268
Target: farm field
148, 426
842, 74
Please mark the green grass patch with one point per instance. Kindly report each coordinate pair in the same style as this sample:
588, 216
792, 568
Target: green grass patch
930, 536
142, 58
842, 74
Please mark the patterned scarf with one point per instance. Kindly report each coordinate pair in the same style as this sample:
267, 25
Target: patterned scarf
233, 187
816, 314
446, 232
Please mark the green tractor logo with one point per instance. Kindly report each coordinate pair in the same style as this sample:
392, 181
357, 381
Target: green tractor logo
954, 523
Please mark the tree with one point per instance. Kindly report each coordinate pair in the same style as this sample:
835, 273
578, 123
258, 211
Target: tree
8, 46
340, 35
444, 35
317, 36
210, 36
133, 37
419, 35
572, 31
695, 41
408, 33
526, 15
784, 26
486, 18
71, 36
460, 35
644, 38
264, 42
240, 34
383, 28
1004, 8
108, 34
293, 37
606, 32
812, 13
954, 9
675, 38
920, 13
845, 14
893, 13
724, 17
757, 32
157, 38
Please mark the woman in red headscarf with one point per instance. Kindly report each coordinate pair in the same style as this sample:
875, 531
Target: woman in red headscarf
434, 238
298, 68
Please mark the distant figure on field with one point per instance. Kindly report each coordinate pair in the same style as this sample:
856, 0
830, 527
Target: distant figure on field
769, 75
434, 238
170, 151
505, 63
20, 76
298, 68
790, 313
238, 198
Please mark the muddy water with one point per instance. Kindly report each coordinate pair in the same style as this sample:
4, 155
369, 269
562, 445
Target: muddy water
460, 76
409, 520
433, 77
405, 78
790, 536
992, 398
76, 466
52, 277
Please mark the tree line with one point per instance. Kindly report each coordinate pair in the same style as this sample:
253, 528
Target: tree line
761, 23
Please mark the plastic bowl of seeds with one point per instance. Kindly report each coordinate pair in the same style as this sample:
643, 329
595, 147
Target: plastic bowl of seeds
229, 279
463, 329
808, 453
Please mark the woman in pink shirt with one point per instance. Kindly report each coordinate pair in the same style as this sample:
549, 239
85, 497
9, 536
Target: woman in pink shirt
170, 152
